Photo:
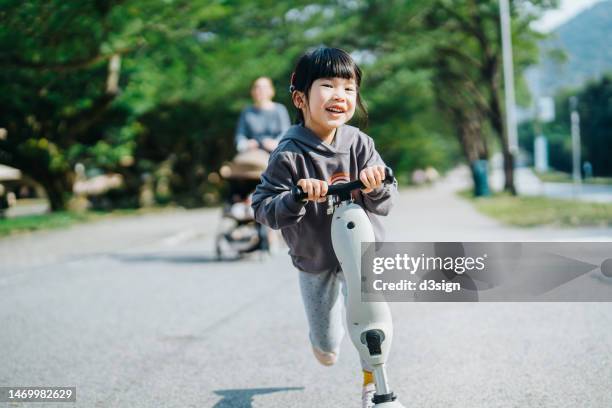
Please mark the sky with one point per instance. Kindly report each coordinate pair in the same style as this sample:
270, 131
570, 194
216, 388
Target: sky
568, 9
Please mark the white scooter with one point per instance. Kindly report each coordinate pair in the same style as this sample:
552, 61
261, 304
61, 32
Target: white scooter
369, 323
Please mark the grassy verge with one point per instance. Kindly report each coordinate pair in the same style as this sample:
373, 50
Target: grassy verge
537, 211
560, 177
24, 223
63, 219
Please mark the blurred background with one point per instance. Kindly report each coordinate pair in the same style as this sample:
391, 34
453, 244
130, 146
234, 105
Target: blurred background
117, 119
127, 104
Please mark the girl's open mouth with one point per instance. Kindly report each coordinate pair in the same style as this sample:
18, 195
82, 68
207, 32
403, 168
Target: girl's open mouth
334, 109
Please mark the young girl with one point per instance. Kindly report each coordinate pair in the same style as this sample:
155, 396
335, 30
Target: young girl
321, 150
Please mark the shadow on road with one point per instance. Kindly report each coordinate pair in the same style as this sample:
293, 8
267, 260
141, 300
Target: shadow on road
242, 398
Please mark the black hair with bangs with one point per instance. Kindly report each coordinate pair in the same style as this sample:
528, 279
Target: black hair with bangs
325, 62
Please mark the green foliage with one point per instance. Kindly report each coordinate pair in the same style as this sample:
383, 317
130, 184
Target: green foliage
595, 110
465, 59
185, 72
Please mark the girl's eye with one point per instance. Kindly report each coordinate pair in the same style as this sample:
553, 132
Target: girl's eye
327, 85
350, 90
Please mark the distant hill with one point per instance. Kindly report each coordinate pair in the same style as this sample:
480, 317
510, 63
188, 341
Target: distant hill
587, 42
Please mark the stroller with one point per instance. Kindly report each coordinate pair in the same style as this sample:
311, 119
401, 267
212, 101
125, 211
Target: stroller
238, 233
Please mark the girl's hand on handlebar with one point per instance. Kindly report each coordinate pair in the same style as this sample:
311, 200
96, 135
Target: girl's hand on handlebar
372, 177
316, 189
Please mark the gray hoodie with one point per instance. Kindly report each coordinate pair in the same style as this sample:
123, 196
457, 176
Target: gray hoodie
306, 226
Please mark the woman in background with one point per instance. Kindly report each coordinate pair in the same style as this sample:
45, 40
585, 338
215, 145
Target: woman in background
260, 126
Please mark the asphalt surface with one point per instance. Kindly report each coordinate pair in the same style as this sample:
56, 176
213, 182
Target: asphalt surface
136, 312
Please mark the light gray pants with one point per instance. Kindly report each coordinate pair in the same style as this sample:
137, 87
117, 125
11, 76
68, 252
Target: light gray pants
320, 294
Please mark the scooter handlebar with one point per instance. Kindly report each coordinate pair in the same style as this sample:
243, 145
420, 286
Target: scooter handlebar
339, 189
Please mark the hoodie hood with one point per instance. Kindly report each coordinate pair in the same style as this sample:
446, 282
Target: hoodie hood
344, 139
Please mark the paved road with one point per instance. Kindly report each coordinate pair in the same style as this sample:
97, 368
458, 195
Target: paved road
136, 313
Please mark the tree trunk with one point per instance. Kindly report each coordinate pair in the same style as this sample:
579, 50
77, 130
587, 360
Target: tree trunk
57, 188
500, 129
509, 171
469, 132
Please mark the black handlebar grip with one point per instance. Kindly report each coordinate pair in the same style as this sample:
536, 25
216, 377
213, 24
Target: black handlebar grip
298, 194
389, 177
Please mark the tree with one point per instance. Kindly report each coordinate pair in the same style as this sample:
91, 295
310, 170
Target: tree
595, 110
150, 87
59, 77
466, 60
397, 86
77, 78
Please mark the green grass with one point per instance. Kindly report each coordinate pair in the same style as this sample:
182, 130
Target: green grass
560, 177
9, 226
538, 211
43, 221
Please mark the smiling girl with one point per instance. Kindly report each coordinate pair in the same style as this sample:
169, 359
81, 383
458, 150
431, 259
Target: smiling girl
321, 149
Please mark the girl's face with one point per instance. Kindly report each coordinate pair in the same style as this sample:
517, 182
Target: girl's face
331, 103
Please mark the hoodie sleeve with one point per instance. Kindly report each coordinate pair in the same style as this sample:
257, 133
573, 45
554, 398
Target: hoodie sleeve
380, 200
272, 201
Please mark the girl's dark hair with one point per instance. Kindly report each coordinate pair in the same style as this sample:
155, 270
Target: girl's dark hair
325, 63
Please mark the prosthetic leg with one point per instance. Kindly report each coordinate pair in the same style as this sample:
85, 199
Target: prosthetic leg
369, 323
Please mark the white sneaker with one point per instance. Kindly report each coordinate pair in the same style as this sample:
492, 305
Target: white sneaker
367, 393
324, 357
